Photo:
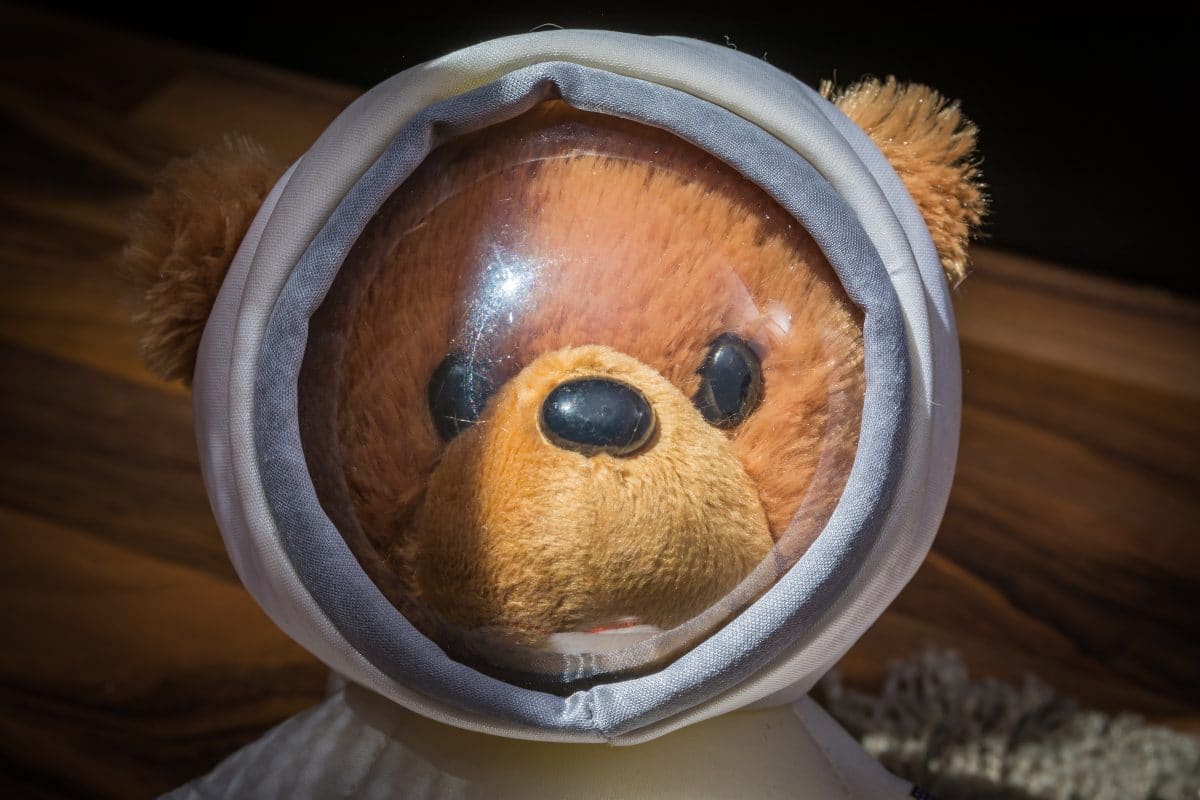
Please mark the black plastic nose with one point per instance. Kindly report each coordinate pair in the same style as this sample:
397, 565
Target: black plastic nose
597, 415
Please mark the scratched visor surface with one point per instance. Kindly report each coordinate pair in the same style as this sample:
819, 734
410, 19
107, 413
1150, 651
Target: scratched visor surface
579, 394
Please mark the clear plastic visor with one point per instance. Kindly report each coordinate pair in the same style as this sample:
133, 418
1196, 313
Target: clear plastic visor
579, 394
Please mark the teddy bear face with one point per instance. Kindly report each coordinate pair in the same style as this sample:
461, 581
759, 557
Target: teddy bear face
576, 375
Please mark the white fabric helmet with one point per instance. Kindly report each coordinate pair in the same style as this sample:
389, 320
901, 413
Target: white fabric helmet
773, 129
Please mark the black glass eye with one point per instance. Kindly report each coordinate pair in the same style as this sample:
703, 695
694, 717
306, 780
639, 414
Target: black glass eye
731, 382
458, 391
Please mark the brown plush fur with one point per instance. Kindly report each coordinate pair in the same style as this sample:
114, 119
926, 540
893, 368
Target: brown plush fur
517, 532
633, 240
628, 252
182, 241
932, 147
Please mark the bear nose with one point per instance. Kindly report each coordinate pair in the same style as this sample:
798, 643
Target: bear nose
597, 415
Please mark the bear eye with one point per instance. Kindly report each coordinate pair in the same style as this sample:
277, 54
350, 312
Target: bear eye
731, 382
458, 391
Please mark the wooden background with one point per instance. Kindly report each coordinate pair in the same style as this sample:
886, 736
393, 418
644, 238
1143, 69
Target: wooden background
132, 659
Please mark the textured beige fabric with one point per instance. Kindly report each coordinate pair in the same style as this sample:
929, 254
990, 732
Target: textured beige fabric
359, 745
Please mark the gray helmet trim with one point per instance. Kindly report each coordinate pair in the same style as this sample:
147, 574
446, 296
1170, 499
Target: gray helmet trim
357, 608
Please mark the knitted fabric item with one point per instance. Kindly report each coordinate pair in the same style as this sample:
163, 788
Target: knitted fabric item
985, 740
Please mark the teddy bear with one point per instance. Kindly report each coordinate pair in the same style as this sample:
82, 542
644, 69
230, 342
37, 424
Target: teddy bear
565, 381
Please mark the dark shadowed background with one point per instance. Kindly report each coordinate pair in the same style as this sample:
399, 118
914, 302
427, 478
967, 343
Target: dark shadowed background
1085, 145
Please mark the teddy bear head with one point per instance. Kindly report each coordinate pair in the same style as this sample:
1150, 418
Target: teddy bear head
576, 376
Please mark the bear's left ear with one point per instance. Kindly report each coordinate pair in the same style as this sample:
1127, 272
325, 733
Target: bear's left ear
931, 145
182, 240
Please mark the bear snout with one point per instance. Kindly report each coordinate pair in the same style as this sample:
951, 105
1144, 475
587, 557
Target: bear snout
591, 489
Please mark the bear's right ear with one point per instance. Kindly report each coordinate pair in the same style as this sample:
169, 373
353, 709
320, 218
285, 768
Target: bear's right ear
182, 241
931, 145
